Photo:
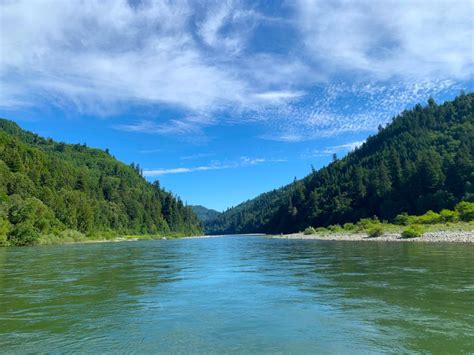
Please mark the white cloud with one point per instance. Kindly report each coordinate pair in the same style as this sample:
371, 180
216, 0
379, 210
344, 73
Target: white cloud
215, 165
278, 95
71, 50
173, 126
409, 39
345, 147
202, 60
342, 148
160, 172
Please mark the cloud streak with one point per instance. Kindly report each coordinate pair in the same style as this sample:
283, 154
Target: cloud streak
342, 148
216, 165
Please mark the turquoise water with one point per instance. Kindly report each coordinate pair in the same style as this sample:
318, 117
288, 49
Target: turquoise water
238, 294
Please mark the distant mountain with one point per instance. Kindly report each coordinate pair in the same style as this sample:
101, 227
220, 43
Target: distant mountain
204, 214
422, 161
50, 188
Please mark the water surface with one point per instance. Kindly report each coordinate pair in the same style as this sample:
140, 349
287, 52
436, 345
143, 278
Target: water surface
238, 294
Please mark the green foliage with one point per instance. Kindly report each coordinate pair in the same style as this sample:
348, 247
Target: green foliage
335, 228
403, 219
349, 227
5, 227
375, 231
422, 161
449, 216
309, 231
414, 231
23, 234
73, 235
48, 187
429, 217
321, 230
364, 224
465, 211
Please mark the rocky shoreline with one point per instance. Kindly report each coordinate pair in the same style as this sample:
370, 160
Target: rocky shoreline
439, 236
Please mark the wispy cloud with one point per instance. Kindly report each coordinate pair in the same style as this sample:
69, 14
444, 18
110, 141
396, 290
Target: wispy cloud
279, 95
196, 156
341, 108
171, 53
215, 165
207, 61
342, 148
405, 39
177, 127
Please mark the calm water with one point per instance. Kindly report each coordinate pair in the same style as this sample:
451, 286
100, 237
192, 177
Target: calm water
238, 294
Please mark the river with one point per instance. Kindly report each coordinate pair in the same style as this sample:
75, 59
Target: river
238, 294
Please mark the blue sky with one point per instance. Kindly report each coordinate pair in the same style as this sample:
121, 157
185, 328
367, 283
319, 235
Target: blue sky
223, 100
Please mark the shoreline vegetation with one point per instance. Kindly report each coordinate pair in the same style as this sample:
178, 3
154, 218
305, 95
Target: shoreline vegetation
441, 236
455, 225
446, 226
79, 238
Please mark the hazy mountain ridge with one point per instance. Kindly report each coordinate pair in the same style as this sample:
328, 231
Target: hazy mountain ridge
205, 214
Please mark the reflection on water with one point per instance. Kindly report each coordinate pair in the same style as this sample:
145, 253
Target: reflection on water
242, 294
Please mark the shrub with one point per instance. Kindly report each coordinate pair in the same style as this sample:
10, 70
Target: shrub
72, 234
402, 219
4, 241
349, 227
414, 231
465, 210
375, 231
335, 228
309, 231
23, 234
449, 216
429, 217
321, 230
366, 223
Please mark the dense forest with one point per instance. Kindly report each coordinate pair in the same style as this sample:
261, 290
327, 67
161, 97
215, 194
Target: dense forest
50, 188
205, 214
421, 161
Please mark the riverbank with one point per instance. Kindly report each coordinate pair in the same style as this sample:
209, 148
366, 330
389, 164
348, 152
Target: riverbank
132, 238
461, 236
118, 239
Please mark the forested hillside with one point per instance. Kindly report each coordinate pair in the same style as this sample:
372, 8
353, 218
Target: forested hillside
205, 214
52, 188
422, 161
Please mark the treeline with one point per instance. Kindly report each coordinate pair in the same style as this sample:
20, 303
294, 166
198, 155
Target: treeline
52, 188
421, 161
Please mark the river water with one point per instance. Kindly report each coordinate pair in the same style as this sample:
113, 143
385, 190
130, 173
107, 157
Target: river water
238, 294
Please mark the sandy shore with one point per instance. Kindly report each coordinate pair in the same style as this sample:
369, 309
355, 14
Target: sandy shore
441, 236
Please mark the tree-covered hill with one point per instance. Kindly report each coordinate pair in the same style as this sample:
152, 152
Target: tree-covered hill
422, 161
52, 188
205, 214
